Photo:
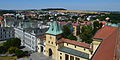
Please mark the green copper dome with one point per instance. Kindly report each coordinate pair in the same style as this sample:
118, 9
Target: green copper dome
54, 29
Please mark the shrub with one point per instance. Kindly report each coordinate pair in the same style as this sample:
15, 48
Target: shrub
2, 49
12, 50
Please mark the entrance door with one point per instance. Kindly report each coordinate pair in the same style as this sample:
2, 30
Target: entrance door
50, 52
41, 49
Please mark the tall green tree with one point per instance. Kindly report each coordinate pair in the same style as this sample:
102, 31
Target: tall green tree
86, 34
67, 33
14, 42
72, 37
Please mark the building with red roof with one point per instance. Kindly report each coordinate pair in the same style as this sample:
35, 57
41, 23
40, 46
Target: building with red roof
60, 48
81, 44
104, 32
104, 44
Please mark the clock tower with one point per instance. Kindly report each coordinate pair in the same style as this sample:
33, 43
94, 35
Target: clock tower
52, 35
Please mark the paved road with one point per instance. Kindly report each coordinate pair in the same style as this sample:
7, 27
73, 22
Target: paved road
37, 56
2, 41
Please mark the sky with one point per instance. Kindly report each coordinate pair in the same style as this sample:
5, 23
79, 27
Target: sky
102, 5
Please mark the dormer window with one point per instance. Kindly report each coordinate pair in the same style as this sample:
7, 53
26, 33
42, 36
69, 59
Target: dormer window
52, 29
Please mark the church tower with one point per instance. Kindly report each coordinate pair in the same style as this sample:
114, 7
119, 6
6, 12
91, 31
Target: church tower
52, 35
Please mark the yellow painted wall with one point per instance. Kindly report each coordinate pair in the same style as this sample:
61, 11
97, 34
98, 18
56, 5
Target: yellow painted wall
75, 30
51, 43
96, 44
85, 50
39, 48
62, 54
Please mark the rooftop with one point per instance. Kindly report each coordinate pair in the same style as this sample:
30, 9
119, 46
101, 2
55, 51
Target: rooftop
81, 44
55, 28
107, 49
104, 32
74, 52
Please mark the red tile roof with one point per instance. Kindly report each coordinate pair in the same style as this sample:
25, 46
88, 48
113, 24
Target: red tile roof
76, 24
107, 49
118, 44
81, 44
42, 37
64, 23
104, 32
1, 18
103, 22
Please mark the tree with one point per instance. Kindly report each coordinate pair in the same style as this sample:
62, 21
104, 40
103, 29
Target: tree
12, 50
19, 53
15, 42
2, 49
97, 26
66, 31
86, 34
71, 37
75, 17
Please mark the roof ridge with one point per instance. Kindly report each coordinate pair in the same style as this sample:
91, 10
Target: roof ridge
117, 42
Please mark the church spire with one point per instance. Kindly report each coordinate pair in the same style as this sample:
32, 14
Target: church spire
54, 29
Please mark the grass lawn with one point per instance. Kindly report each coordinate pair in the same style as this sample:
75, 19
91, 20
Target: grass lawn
1, 44
8, 58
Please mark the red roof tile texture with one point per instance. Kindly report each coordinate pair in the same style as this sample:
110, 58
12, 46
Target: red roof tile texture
81, 44
107, 49
43, 37
104, 32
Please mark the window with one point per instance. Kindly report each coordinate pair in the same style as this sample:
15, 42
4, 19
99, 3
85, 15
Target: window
66, 57
60, 57
77, 58
32, 37
71, 57
84, 48
67, 44
48, 41
56, 44
75, 46
9, 35
52, 29
60, 53
52, 42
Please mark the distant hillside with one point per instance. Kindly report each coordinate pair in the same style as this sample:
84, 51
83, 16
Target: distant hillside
6, 11
53, 9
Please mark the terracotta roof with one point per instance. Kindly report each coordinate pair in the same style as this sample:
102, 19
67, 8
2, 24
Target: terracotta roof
64, 23
76, 24
42, 37
87, 22
81, 44
104, 32
1, 23
118, 44
1, 18
107, 49
103, 22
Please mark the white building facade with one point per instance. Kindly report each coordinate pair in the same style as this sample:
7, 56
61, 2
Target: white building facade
6, 33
